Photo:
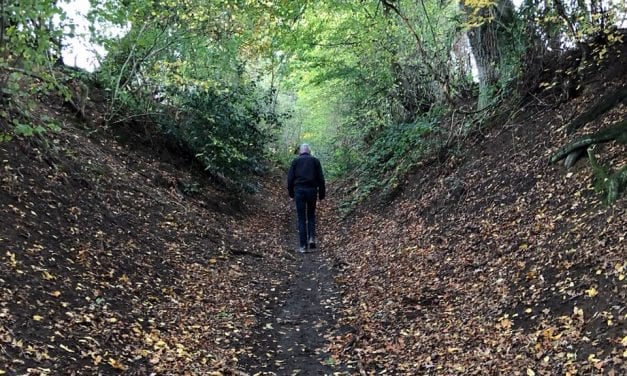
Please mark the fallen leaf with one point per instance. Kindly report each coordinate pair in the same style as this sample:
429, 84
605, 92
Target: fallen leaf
592, 292
117, 365
66, 348
48, 276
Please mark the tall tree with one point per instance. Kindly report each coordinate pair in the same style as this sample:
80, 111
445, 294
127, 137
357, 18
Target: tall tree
490, 39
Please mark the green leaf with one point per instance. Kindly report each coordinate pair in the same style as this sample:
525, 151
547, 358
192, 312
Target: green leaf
24, 130
4, 137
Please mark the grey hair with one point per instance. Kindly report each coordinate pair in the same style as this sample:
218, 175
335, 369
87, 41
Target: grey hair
304, 148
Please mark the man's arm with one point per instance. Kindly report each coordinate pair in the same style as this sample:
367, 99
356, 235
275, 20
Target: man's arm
322, 192
290, 180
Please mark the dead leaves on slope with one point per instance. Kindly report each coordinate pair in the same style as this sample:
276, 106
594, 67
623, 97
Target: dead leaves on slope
521, 273
104, 270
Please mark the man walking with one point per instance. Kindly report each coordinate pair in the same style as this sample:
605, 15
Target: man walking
305, 183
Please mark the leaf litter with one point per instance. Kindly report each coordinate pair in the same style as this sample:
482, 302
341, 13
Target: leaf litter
107, 266
492, 263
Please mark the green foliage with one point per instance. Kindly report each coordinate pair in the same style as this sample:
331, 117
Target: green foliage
28, 34
30, 37
395, 151
585, 28
191, 188
184, 70
366, 81
221, 128
27, 130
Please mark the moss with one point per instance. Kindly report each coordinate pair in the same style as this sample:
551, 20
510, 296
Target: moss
611, 184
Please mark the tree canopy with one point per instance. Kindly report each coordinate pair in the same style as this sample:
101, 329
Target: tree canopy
366, 82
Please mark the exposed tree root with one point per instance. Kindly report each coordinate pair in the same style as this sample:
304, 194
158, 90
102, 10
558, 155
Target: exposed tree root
618, 132
612, 184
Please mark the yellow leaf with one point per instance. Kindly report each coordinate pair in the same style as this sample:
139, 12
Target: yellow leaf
48, 276
37, 318
117, 365
180, 350
506, 324
592, 292
56, 293
530, 372
12, 259
528, 310
160, 344
97, 359
2, 372
212, 260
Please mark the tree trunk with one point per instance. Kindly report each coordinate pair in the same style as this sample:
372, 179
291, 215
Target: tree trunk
488, 41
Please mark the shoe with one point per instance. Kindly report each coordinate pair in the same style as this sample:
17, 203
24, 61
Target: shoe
312, 243
302, 249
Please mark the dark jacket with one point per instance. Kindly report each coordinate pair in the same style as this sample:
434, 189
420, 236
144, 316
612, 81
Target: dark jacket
306, 172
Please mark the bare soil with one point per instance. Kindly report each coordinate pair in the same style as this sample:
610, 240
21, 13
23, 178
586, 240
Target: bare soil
301, 312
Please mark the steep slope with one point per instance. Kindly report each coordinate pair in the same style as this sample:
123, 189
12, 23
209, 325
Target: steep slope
120, 256
494, 262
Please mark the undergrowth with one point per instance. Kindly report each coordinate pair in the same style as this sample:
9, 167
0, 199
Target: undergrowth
391, 156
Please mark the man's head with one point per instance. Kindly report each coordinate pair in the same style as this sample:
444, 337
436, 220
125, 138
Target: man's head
304, 148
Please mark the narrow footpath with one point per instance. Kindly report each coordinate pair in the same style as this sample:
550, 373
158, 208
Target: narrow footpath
302, 308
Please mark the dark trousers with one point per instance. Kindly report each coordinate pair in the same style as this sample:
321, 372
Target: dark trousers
306, 208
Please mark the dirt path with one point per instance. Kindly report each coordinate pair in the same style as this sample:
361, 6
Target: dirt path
301, 309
